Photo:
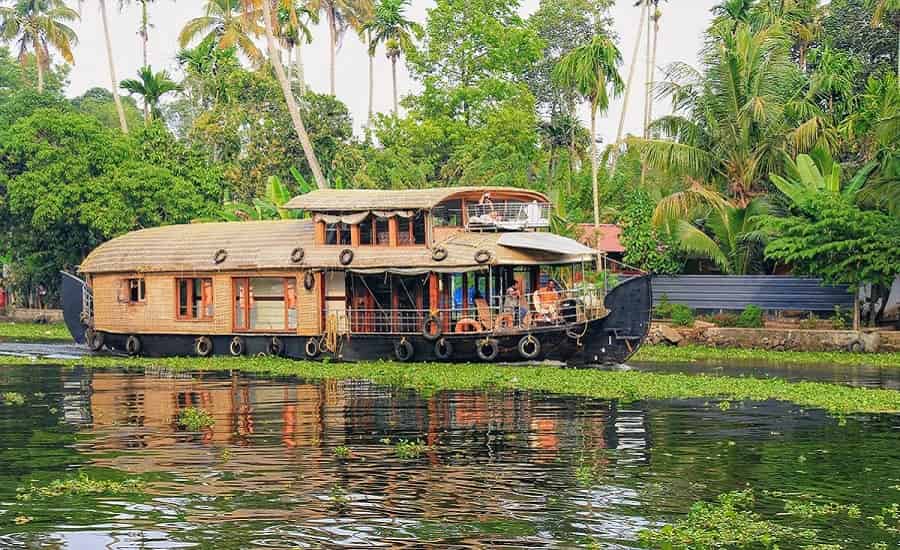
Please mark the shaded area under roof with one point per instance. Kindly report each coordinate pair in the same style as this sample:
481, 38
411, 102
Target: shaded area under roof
348, 200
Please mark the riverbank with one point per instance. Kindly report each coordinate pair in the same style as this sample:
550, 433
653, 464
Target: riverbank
29, 332
431, 377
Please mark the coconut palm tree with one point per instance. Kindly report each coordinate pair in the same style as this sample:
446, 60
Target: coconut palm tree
293, 32
882, 9
39, 26
591, 71
226, 24
391, 27
269, 24
732, 119
628, 86
340, 15
151, 87
144, 28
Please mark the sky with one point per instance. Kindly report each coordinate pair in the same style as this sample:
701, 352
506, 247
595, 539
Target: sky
681, 29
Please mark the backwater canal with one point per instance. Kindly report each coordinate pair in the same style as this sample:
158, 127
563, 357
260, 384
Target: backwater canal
494, 469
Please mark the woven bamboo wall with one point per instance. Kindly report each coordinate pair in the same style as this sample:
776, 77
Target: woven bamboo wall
309, 317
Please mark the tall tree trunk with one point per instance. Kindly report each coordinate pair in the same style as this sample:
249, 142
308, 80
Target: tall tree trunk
394, 78
628, 87
594, 160
653, 69
293, 109
647, 72
898, 54
290, 67
332, 45
371, 81
112, 70
39, 62
301, 76
145, 30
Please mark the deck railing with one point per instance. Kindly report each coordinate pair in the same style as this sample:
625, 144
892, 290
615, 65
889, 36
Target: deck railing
541, 309
509, 215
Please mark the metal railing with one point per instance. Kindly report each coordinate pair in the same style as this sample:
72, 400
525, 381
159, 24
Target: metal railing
507, 313
509, 215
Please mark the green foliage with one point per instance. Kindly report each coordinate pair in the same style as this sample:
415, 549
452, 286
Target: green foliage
645, 247
751, 317
151, 87
80, 485
409, 449
848, 27
195, 419
681, 315
98, 103
12, 398
342, 452
34, 332
840, 318
730, 518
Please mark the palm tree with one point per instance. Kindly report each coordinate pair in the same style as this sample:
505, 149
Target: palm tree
39, 25
882, 8
655, 16
268, 14
732, 236
228, 26
294, 31
144, 29
340, 15
637, 46
151, 87
391, 27
731, 120
591, 72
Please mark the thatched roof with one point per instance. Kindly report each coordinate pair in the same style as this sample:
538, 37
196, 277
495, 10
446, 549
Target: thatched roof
253, 246
349, 200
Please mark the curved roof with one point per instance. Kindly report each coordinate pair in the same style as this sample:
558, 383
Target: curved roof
255, 246
333, 200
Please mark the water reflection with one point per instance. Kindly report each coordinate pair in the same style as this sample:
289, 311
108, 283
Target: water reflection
501, 469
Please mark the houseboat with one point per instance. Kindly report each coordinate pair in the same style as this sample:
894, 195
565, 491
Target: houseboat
448, 274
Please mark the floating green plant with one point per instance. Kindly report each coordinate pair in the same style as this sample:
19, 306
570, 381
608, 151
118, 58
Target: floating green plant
195, 419
342, 452
81, 485
409, 449
13, 399
338, 496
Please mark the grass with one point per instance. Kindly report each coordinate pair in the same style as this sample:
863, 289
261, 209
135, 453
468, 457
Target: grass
34, 332
627, 386
694, 353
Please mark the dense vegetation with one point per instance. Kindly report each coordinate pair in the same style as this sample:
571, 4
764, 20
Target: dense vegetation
794, 105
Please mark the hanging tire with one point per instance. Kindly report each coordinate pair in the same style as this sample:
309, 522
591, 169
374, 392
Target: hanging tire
487, 349
312, 348
275, 346
439, 254
309, 281
404, 350
93, 339
297, 255
220, 256
443, 349
855, 347
203, 346
529, 347
133, 345
346, 256
237, 346
431, 328
483, 256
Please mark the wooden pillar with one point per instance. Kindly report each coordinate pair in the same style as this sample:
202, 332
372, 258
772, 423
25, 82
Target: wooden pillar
447, 300
395, 305
393, 231
354, 235
465, 292
433, 292
320, 232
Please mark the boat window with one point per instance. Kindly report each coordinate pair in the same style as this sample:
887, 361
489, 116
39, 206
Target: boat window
132, 291
195, 299
337, 233
265, 304
448, 214
412, 230
367, 231
382, 232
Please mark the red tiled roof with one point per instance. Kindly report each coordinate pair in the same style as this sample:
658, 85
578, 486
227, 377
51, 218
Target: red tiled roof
610, 236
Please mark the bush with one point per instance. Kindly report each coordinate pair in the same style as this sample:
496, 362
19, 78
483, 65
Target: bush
724, 320
810, 323
751, 317
663, 309
682, 315
840, 319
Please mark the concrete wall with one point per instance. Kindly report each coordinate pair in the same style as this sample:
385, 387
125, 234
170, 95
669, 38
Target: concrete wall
24, 315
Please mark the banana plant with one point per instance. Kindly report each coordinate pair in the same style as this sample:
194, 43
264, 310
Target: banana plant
819, 172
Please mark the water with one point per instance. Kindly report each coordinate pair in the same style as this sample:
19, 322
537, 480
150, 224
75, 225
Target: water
503, 469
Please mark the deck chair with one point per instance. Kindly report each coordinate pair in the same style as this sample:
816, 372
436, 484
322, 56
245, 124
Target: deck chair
484, 313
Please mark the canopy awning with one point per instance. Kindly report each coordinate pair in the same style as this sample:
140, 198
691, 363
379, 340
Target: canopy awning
546, 242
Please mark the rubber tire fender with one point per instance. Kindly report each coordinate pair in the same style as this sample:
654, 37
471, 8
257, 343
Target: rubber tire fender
203, 346
312, 348
439, 254
93, 339
535, 345
489, 354
443, 349
275, 346
297, 255
220, 256
483, 256
346, 256
404, 350
309, 280
236, 347
133, 345
432, 320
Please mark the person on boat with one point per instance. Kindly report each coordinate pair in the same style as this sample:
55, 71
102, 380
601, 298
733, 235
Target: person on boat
546, 301
486, 209
512, 303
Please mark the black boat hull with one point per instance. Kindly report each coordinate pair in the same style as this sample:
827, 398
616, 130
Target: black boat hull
611, 340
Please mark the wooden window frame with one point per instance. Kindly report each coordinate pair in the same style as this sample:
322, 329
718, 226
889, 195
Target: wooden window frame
202, 316
285, 281
142, 291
